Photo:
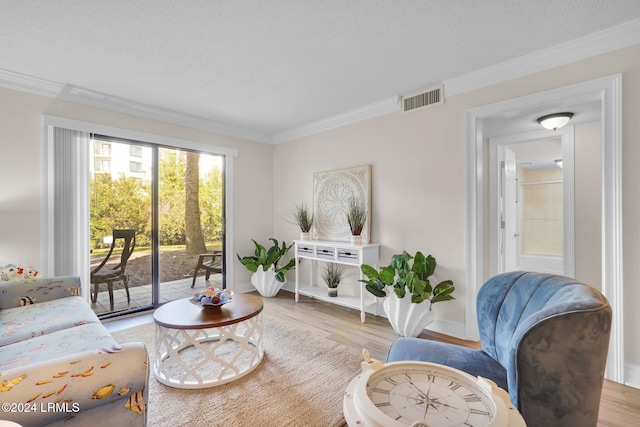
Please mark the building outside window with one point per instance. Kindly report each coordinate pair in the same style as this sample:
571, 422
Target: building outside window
135, 166
135, 151
104, 166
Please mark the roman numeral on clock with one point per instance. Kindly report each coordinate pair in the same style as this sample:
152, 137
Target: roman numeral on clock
391, 381
454, 386
381, 390
471, 398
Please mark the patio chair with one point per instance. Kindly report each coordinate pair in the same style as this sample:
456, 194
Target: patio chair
102, 274
211, 262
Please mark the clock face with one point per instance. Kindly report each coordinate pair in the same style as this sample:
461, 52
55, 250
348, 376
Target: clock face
410, 393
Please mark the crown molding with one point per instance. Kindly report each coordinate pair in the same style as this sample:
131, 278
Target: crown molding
601, 42
24, 83
608, 40
386, 106
50, 89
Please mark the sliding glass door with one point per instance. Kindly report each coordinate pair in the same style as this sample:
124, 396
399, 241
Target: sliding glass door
173, 200
190, 219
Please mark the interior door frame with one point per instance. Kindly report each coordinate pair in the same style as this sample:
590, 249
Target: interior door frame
568, 194
608, 90
506, 214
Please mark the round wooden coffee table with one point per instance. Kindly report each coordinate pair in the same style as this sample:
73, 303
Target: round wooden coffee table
203, 347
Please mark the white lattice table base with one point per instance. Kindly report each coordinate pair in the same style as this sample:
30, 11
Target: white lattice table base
199, 358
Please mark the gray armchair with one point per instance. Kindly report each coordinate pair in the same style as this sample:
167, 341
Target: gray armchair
544, 340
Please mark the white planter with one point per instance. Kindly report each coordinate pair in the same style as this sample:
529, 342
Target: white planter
305, 235
265, 282
407, 319
356, 240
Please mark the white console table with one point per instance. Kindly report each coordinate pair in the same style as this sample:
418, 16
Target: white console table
341, 253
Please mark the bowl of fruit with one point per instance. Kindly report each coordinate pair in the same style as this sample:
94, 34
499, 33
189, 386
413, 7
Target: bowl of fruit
212, 297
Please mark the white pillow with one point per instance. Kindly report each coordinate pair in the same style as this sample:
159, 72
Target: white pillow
15, 272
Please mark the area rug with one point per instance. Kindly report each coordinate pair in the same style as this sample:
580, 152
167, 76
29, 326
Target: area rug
300, 382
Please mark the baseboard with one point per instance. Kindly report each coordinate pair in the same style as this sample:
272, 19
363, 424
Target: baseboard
453, 329
289, 287
632, 375
243, 288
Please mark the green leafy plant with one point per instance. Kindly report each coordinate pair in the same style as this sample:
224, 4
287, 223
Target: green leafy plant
303, 217
332, 274
269, 257
404, 276
356, 217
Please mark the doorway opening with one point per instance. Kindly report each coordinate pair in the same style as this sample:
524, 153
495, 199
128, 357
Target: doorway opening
539, 216
607, 91
531, 197
173, 201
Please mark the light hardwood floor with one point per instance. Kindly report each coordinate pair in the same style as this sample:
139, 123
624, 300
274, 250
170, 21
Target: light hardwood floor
619, 406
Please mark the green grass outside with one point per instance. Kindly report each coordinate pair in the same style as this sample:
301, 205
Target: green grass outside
143, 249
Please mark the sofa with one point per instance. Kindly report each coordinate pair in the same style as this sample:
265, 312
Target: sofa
59, 365
544, 340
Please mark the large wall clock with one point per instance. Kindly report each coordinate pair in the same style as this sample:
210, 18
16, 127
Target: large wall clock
422, 394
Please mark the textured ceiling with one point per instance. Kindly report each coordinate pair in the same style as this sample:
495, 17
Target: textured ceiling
270, 66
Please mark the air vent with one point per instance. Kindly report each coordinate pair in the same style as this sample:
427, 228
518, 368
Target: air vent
431, 97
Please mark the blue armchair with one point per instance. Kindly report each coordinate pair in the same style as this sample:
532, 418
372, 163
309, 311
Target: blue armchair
544, 340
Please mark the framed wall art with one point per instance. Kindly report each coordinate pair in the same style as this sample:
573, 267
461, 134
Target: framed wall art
332, 194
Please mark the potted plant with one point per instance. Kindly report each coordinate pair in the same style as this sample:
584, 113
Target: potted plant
304, 219
356, 217
408, 294
267, 276
332, 276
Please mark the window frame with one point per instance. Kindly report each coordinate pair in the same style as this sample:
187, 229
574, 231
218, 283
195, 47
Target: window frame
49, 122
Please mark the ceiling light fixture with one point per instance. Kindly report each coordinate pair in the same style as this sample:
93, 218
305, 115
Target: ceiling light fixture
555, 121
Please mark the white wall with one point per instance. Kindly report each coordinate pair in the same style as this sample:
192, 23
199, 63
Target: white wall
414, 169
588, 203
21, 178
418, 175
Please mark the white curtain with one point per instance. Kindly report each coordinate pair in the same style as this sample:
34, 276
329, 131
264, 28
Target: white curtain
69, 204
